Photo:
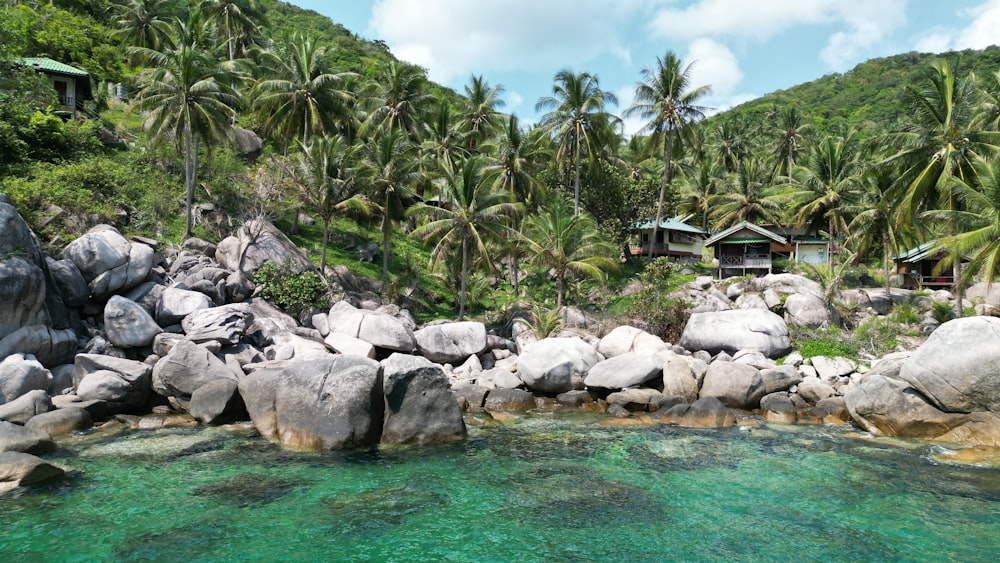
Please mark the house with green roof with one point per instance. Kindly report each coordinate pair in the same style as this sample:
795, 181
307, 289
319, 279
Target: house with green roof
920, 267
746, 248
70, 83
673, 238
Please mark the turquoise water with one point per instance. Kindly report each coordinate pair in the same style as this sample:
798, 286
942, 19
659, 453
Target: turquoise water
539, 488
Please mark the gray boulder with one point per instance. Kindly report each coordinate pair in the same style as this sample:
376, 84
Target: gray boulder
332, 404
62, 421
420, 407
707, 412
225, 324
814, 390
679, 379
176, 303
625, 370
20, 374
17, 438
780, 378
778, 407
187, 367
624, 339
380, 330
108, 262
22, 292
347, 344
21, 409
958, 368
49, 346
256, 243
830, 370
741, 329
451, 342
642, 399
509, 400
737, 386
555, 365
120, 391
127, 324
19, 469
808, 310
218, 402
294, 347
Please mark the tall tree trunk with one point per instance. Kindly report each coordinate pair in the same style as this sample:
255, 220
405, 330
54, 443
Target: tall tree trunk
576, 179
465, 274
385, 243
559, 291
513, 266
326, 238
669, 149
959, 291
885, 257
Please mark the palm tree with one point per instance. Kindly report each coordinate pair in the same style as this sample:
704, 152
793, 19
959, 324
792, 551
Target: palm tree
237, 20
189, 96
789, 133
937, 149
699, 189
978, 222
143, 23
874, 224
576, 110
731, 144
397, 99
479, 113
469, 213
390, 168
822, 191
443, 141
747, 197
328, 181
297, 97
664, 98
568, 244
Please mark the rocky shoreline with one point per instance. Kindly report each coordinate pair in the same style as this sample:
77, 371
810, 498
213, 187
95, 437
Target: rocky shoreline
116, 329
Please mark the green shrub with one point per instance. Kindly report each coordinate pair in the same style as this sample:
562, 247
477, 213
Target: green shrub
879, 336
905, 313
663, 315
828, 342
942, 312
292, 292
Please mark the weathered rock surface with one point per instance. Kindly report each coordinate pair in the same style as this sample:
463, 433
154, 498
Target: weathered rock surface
218, 402
225, 324
740, 329
17, 438
707, 412
347, 344
62, 421
813, 390
642, 399
780, 378
127, 324
420, 407
331, 404
679, 379
22, 292
20, 374
176, 303
554, 365
626, 339
451, 342
509, 400
187, 367
625, 370
21, 469
737, 386
381, 330
23, 408
109, 262
257, 243
49, 346
892, 407
808, 310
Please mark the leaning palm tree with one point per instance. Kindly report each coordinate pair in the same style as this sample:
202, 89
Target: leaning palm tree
568, 244
665, 99
189, 96
937, 149
480, 113
747, 196
822, 192
468, 214
576, 110
390, 168
327, 179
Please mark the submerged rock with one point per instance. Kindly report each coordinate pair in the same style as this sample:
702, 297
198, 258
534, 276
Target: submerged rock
19, 469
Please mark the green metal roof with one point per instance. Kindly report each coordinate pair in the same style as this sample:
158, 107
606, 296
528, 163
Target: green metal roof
744, 240
672, 224
49, 65
723, 236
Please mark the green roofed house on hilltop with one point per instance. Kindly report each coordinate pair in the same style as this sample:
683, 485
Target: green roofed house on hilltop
674, 238
71, 83
746, 249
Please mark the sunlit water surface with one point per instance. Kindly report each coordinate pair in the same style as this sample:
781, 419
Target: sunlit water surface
539, 488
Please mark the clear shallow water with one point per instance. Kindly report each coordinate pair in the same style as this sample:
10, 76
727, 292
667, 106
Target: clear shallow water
540, 488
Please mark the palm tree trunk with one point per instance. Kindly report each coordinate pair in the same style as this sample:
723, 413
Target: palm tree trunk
385, 243
959, 292
576, 180
190, 165
669, 149
513, 258
885, 257
465, 274
326, 238
559, 291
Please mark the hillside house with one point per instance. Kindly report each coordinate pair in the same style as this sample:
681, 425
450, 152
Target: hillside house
918, 268
70, 83
674, 238
746, 248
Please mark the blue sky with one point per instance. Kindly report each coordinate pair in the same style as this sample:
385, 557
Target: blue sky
742, 48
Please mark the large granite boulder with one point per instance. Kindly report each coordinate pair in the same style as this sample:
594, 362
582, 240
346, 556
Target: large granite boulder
958, 368
187, 367
679, 379
737, 386
625, 370
378, 329
785, 284
555, 365
108, 262
225, 324
20, 374
780, 378
123, 384
332, 404
509, 400
218, 402
62, 421
808, 310
22, 292
624, 339
451, 342
347, 344
735, 330
256, 243
19, 469
48, 345
420, 407
23, 408
127, 324
17, 438
176, 303
69, 282
707, 412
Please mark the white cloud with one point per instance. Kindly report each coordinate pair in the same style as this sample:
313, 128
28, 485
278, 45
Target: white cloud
513, 101
979, 34
626, 96
456, 38
714, 65
934, 42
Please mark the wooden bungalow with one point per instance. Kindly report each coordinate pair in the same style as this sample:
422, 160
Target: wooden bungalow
674, 238
746, 249
917, 268
70, 83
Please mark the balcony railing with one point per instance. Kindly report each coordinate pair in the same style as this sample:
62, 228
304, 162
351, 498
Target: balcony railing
67, 101
747, 262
